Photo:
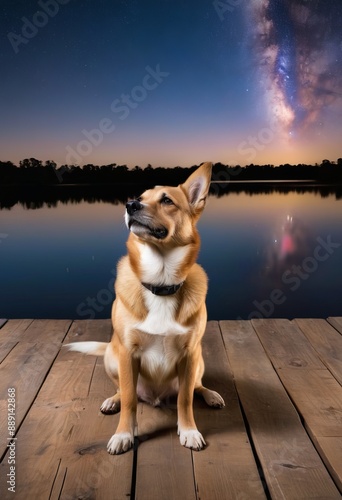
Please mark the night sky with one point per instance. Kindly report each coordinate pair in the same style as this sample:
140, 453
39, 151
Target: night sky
171, 82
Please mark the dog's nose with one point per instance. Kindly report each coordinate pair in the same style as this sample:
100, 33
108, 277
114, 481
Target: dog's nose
133, 206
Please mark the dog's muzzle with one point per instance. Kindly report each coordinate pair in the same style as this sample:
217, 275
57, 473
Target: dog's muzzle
133, 206
141, 223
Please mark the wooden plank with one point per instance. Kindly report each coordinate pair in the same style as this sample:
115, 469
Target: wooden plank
63, 419
287, 346
65, 434
95, 473
315, 392
14, 329
326, 341
5, 349
86, 469
164, 466
318, 397
226, 468
290, 463
61, 446
2, 322
24, 369
336, 323
86, 330
64, 374
47, 331
331, 451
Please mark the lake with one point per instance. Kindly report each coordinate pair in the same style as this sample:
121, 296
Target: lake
268, 251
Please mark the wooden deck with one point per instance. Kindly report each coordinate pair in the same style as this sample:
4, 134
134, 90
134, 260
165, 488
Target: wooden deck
279, 436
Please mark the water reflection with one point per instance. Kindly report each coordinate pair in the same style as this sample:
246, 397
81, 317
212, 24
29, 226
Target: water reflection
34, 197
59, 246
290, 243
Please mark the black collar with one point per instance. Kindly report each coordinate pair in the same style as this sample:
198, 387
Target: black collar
163, 290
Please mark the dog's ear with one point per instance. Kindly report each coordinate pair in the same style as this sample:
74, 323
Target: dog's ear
196, 187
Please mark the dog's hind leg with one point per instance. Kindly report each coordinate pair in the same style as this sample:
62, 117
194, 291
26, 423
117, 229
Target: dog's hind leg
212, 398
111, 405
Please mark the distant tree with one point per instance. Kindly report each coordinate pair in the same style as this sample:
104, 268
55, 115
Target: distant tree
50, 164
30, 163
33, 171
89, 167
7, 166
8, 171
325, 163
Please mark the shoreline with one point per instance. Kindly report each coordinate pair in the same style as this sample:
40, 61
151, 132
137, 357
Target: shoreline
309, 182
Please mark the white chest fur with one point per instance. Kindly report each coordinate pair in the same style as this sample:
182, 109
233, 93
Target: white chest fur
158, 268
160, 319
161, 269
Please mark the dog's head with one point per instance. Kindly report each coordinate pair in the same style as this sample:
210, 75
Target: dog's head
168, 214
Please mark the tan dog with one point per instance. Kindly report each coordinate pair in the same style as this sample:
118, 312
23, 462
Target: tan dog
159, 314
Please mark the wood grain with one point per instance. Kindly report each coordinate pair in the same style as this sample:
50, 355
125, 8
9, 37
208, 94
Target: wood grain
281, 427
289, 461
326, 341
226, 468
315, 392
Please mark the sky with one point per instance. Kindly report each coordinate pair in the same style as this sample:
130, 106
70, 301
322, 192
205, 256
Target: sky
170, 82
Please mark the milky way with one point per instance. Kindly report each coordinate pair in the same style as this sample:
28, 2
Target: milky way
297, 47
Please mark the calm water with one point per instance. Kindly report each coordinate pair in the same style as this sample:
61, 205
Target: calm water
266, 254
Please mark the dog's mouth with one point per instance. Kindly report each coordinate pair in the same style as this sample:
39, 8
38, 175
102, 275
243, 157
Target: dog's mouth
140, 229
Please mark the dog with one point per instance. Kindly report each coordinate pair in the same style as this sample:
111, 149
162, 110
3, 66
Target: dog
159, 313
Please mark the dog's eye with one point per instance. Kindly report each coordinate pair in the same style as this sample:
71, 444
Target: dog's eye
167, 201
139, 198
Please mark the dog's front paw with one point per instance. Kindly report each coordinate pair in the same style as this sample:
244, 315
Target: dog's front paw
191, 438
119, 443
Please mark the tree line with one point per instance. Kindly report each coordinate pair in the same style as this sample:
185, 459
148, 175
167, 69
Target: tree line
36, 172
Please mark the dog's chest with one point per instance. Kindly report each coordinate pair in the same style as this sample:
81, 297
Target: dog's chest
158, 355
160, 319
160, 269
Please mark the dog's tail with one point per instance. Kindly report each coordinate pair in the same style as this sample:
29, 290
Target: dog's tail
94, 348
